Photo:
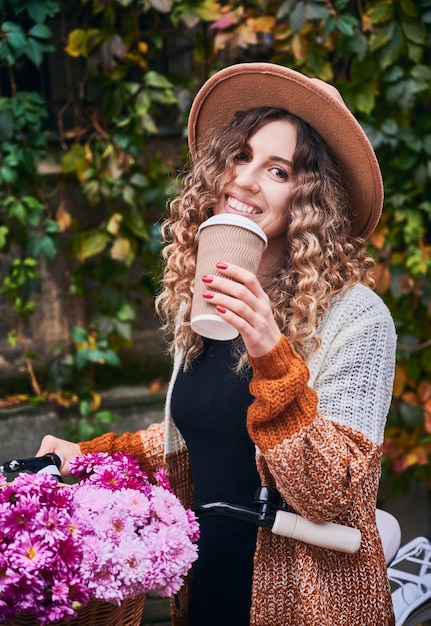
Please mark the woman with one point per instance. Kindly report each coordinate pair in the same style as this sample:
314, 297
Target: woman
299, 401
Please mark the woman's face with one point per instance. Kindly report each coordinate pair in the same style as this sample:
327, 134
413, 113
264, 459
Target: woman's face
262, 183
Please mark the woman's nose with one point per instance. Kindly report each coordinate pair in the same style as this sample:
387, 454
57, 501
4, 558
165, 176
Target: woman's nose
246, 178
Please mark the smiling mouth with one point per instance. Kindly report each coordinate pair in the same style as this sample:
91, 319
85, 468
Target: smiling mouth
241, 207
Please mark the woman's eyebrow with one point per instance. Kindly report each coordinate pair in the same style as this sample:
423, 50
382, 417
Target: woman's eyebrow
278, 158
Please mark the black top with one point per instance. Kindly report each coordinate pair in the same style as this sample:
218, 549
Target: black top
209, 406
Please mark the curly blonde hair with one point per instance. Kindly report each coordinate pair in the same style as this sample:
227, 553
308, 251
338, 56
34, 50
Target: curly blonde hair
321, 256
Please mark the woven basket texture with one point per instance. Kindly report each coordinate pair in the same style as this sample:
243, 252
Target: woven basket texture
96, 613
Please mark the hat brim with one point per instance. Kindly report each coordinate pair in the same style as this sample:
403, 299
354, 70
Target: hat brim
249, 85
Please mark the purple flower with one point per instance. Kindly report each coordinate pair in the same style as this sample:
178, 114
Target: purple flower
112, 536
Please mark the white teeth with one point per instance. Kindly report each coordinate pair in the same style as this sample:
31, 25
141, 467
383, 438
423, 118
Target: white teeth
240, 206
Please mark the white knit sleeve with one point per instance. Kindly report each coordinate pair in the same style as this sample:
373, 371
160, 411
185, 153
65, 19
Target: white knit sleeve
354, 381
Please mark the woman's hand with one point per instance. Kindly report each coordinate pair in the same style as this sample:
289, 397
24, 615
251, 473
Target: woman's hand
66, 450
244, 305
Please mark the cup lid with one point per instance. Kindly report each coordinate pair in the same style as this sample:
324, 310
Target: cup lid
235, 220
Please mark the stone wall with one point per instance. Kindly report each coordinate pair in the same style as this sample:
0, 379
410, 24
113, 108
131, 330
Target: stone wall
22, 428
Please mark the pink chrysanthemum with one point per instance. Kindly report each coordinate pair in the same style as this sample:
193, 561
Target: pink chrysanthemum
112, 536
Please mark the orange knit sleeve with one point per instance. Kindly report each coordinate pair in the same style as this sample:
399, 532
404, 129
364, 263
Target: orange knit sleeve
284, 402
147, 445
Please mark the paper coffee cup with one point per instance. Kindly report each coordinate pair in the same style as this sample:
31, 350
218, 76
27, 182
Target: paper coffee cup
231, 239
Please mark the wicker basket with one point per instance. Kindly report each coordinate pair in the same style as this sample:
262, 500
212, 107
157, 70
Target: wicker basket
96, 613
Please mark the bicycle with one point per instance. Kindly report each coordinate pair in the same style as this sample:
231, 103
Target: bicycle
411, 590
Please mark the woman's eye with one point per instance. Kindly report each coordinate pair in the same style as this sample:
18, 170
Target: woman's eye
242, 156
280, 173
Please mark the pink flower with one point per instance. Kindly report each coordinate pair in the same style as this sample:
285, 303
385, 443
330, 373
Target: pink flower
30, 553
112, 536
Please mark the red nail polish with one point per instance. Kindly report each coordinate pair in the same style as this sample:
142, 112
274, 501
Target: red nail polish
221, 266
220, 309
207, 279
208, 295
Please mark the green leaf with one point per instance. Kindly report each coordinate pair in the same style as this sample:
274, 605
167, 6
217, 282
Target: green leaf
90, 244
408, 7
14, 37
82, 358
297, 18
110, 358
382, 36
6, 125
136, 224
414, 31
415, 52
126, 313
382, 12
4, 231
47, 247
34, 52
365, 99
314, 11
79, 334
85, 408
106, 417
347, 24
40, 31
86, 431
359, 46
17, 211
156, 80
124, 330
74, 160
427, 144
38, 11
392, 51
8, 175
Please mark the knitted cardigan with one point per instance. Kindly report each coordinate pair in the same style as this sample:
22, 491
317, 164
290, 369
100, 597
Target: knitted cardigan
318, 429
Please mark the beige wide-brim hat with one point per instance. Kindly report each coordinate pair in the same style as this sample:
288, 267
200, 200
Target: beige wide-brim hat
248, 85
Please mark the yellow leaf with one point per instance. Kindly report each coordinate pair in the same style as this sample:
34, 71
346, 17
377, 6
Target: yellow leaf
263, 24
114, 224
418, 456
298, 47
121, 250
80, 41
76, 41
63, 217
97, 401
399, 381
246, 35
209, 10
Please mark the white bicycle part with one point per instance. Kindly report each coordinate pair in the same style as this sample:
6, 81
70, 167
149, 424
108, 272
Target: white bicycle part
410, 578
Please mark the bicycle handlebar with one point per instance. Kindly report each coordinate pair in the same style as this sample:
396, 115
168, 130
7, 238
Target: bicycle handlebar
47, 464
268, 514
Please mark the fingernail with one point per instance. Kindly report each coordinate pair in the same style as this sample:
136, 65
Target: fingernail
220, 309
221, 266
207, 279
208, 295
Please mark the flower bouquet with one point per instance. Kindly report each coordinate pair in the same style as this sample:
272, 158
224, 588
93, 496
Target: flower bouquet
111, 538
